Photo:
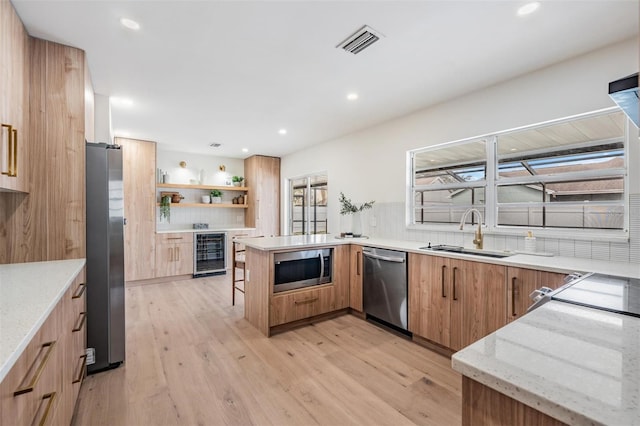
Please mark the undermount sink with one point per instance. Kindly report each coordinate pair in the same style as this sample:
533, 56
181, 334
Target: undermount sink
462, 250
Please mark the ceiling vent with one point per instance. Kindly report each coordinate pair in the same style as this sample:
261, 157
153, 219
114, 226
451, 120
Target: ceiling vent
360, 40
215, 145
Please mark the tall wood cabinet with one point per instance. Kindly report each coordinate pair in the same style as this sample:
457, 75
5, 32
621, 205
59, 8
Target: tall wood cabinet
262, 175
139, 168
48, 223
455, 302
14, 98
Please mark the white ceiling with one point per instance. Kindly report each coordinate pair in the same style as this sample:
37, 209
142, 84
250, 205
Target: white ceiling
235, 72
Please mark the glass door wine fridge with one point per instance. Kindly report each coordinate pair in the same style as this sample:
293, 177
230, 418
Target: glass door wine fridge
209, 253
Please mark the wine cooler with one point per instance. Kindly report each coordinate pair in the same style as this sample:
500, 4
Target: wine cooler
209, 253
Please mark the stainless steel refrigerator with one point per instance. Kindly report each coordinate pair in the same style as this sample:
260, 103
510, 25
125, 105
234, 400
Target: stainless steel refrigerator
105, 257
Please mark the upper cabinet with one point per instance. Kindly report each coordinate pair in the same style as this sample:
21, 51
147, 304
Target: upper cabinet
262, 177
14, 99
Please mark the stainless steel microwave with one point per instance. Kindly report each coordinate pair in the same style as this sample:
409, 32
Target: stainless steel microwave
303, 268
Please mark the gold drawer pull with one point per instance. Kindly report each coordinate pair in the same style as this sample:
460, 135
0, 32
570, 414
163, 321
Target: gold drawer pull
305, 301
83, 368
79, 291
9, 128
15, 153
80, 322
51, 397
28, 388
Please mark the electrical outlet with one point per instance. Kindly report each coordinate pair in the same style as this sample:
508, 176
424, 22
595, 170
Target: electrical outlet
91, 356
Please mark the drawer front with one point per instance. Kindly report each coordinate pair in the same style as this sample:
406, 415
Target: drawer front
175, 238
302, 304
30, 393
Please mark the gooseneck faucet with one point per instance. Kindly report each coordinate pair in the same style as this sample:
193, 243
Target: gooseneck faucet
477, 241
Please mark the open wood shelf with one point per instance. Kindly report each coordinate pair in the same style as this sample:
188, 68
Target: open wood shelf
209, 187
216, 205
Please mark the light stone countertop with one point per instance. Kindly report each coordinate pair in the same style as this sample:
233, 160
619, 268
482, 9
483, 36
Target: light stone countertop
546, 263
28, 294
576, 364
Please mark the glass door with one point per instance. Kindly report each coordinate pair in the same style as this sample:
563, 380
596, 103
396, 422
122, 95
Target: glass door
308, 205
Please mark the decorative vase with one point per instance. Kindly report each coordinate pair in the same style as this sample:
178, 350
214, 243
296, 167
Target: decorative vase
346, 225
357, 224
237, 183
216, 200
206, 199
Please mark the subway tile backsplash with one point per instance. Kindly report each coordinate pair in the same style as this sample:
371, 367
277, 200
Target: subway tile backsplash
390, 223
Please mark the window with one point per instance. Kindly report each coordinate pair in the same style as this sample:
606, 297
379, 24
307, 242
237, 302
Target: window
449, 180
567, 174
308, 205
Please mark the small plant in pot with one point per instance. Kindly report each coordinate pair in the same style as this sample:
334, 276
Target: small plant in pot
165, 209
237, 180
216, 196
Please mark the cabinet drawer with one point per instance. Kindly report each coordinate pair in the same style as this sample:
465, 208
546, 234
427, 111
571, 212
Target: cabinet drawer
30, 391
301, 304
175, 238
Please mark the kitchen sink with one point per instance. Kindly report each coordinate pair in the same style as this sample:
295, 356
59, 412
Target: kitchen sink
462, 250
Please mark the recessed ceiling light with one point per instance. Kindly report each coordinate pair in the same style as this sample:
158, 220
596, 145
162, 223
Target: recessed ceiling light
514, 149
245, 149
352, 96
282, 131
130, 23
126, 102
528, 8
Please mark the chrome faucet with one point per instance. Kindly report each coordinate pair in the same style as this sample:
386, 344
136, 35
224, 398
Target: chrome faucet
477, 241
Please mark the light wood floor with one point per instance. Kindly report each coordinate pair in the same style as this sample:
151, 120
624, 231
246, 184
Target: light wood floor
193, 360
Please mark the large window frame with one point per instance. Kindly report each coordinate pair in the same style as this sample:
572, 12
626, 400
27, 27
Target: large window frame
494, 182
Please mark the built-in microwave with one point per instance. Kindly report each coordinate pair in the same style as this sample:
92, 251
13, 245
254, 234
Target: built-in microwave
303, 268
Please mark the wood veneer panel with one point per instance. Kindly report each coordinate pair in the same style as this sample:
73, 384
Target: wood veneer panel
482, 406
257, 288
139, 168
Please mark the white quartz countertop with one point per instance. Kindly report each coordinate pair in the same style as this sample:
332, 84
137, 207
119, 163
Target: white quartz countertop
546, 263
211, 229
576, 364
28, 294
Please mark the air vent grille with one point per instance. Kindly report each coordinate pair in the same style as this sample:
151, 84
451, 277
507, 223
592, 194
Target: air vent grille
360, 40
215, 145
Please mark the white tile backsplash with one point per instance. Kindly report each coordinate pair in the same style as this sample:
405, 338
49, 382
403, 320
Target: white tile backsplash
390, 223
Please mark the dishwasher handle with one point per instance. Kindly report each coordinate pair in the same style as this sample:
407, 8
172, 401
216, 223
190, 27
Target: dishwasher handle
386, 258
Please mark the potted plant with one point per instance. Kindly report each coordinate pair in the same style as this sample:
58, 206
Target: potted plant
237, 180
348, 208
216, 196
165, 209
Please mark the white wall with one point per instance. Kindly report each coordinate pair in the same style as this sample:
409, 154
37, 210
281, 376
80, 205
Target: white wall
371, 164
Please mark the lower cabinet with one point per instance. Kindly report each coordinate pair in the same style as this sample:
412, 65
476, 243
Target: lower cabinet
521, 283
43, 385
174, 254
455, 302
355, 279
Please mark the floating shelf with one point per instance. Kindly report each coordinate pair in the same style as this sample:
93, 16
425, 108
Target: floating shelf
216, 205
209, 187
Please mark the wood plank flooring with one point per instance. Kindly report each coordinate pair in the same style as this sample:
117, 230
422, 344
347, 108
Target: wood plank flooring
193, 360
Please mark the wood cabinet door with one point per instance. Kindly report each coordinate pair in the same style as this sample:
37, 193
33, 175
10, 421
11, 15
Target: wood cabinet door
14, 105
183, 258
521, 283
355, 278
479, 301
164, 259
139, 171
430, 297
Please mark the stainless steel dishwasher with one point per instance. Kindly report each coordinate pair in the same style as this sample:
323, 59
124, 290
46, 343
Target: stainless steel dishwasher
385, 285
